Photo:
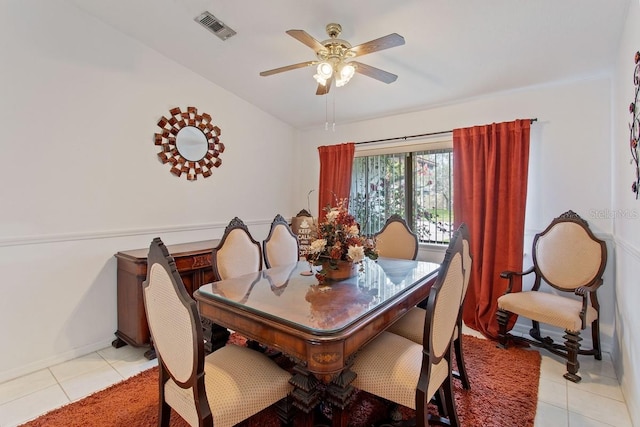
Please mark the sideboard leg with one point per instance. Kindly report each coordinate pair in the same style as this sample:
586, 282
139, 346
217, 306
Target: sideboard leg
118, 342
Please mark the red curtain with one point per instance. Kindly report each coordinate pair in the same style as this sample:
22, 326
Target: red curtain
489, 195
336, 163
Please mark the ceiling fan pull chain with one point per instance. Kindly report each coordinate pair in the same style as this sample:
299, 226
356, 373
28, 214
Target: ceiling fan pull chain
326, 113
333, 100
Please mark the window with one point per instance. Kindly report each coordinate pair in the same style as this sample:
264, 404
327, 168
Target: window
417, 185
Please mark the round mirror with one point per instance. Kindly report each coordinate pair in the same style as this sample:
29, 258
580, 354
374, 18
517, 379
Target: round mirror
191, 143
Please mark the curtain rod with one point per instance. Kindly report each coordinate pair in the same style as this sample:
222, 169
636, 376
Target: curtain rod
415, 136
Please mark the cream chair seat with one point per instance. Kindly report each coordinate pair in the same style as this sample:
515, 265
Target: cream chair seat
410, 374
221, 389
571, 260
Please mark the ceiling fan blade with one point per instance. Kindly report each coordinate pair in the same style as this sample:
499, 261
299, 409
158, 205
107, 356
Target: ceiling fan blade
287, 68
324, 89
391, 40
375, 73
304, 37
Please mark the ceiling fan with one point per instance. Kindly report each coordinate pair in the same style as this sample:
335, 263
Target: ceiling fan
334, 63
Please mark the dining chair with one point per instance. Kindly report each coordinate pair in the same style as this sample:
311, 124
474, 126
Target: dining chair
281, 246
396, 240
410, 374
569, 258
237, 253
411, 324
223, 388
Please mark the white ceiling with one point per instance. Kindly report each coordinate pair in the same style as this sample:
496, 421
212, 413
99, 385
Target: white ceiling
454, 49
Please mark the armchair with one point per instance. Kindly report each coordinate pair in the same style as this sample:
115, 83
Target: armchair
568, 257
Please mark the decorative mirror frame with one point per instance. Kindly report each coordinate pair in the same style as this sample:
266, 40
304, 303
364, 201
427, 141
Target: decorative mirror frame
634, 126
170, 153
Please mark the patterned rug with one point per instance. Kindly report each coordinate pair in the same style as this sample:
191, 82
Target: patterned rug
504, 393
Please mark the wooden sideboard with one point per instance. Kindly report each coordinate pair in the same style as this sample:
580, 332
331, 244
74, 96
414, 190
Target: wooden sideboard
193, 261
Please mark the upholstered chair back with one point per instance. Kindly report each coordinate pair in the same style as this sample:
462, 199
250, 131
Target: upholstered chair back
237, 253
567, 256
445, 304
176, 331
396, 240
281, 246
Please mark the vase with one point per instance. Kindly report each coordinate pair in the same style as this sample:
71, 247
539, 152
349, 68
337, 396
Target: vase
338, 270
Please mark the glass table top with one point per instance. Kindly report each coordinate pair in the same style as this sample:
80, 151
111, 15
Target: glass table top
284, 294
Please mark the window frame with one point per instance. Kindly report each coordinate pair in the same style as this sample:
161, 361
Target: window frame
409, 149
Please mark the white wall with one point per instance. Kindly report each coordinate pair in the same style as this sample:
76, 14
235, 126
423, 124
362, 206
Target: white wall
81, 178
626, 221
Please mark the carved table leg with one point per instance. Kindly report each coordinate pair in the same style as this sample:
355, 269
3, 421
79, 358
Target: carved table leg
306, 393
286, 411
215, 336
339, 394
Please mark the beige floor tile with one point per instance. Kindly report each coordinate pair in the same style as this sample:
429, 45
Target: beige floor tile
601, 385
550, 416
598, 407
88, 383
577, 420
78, 366
31, 406
553, 393
130, 368
25, 385
602, 367
125, 353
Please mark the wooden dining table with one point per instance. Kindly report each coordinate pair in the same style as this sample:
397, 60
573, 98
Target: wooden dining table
319, 326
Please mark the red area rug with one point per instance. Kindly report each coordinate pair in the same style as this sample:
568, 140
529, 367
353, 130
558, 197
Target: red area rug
504, 393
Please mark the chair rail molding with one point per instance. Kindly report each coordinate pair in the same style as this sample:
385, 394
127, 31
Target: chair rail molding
111, 234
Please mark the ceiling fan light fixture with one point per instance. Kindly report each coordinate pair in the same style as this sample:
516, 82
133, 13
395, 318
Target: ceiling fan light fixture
321, 80
345, 72
325, 70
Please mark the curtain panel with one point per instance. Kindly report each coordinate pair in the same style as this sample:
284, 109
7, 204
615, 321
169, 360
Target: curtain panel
490, 193
336, 164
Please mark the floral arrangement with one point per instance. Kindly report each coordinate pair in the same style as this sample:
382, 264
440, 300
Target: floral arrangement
339, 239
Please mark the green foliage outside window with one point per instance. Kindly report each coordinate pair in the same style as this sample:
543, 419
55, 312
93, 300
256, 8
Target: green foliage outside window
417, 186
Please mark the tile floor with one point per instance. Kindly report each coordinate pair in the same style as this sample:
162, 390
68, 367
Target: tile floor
560, 403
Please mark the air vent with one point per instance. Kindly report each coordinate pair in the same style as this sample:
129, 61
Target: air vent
213, 24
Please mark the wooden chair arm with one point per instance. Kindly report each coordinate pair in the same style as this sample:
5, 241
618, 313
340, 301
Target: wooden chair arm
583, 290
509, 275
